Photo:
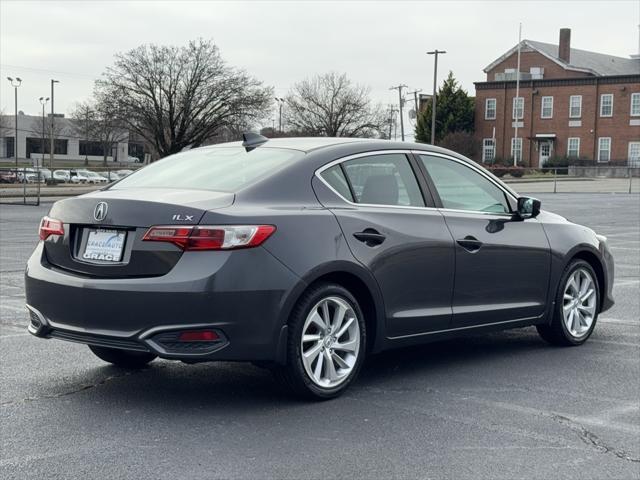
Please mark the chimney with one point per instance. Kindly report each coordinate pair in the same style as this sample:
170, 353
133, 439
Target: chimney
564, 46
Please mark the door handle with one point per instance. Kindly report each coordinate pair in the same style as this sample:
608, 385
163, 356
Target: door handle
469, 243
370, 237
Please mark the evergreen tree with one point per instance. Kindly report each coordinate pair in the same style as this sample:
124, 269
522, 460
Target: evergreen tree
454, 112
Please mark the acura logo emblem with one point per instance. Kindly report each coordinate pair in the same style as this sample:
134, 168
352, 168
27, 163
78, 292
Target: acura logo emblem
100, 212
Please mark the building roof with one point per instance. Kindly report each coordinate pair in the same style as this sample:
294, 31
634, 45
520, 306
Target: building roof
598, 64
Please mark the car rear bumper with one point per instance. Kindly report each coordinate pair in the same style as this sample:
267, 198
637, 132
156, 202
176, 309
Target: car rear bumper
209, 290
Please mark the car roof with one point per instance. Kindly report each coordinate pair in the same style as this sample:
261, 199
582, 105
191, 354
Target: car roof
304, 144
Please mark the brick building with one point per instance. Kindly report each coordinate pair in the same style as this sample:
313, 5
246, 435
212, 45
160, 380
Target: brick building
572, 104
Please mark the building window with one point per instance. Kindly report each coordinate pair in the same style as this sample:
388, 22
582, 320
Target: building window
488, 150
92, 148
606, 105
8, 147
490, 109
518, 108
547, 107
635, 104
575, 106
573, 147
516, 149
604, 149
634, 154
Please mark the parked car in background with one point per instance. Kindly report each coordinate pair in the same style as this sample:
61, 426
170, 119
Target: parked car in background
111, 176
46, 174
124, 173
34, 177
8, 176
306, 254
79, 176
95, 177
133, 159
62, 176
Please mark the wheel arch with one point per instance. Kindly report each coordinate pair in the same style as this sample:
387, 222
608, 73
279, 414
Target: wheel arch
359, 282
592, 258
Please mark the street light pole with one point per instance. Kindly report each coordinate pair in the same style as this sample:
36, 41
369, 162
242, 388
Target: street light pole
51, 132
43, 102
399, 88
435, 52
15, 84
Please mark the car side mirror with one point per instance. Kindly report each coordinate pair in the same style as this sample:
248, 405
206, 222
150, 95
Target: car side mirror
528, 207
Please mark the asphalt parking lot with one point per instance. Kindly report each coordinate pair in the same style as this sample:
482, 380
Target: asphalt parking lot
493, 406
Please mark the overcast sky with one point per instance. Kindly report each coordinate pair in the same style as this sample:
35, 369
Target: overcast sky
376, 43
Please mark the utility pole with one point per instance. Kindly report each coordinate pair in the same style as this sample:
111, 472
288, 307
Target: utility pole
400, 101
15, 84
415, 99
435, 52
43, 102
51, 132
280, 101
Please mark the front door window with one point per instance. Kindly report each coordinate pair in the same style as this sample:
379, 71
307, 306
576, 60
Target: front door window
545, 153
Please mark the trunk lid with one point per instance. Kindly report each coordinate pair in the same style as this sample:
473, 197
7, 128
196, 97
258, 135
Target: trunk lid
125, 215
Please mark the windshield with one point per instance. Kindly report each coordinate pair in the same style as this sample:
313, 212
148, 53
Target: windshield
219, 169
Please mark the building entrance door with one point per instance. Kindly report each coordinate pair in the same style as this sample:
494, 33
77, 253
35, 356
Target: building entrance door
545, 152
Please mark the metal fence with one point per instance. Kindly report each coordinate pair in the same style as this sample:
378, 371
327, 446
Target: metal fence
572, 179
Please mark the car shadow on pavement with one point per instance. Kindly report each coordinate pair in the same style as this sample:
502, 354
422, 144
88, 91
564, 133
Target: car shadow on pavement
234, 387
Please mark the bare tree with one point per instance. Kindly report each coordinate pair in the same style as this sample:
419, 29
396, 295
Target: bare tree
331, 105
180, 97
99, 122
83, 116
5, 124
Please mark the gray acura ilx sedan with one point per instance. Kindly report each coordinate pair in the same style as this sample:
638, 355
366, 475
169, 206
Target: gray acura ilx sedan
305, 255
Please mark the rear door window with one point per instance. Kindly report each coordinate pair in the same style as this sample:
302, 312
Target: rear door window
384, 179
336, 179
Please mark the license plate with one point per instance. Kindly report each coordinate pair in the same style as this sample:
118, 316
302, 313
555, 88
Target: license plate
104, 245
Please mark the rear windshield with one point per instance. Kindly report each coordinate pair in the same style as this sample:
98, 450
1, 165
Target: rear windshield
219, 169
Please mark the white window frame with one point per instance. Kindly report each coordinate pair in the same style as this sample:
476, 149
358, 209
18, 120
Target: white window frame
542, 115
577, 149
488, 144
517, 100
486, 109
600, 150
635, 162
514, 141
579, 97
602, 97
635, 95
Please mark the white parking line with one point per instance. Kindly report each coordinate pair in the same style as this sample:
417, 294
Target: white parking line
12, 335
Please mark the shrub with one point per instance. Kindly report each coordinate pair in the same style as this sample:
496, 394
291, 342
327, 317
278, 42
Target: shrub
516, 172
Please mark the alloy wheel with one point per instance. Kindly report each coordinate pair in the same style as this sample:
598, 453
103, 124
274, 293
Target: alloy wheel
579, 302
330, 342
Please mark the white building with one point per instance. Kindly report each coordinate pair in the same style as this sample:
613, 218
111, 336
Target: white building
69, 143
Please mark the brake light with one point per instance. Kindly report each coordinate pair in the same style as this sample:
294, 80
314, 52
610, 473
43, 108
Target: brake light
205, 237
50, 226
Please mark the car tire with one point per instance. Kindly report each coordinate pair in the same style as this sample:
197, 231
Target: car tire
304, 378
123, 358
576, 307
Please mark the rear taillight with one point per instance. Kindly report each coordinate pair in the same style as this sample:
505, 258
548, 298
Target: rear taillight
50, 226
207, 237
